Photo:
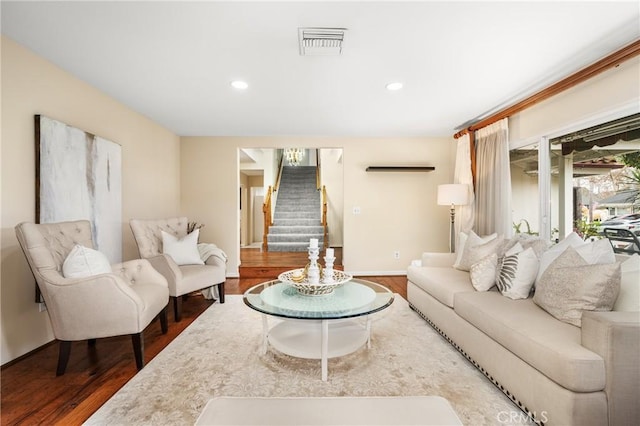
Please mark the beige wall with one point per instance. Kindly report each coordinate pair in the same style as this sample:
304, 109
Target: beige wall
398, 209
150, 175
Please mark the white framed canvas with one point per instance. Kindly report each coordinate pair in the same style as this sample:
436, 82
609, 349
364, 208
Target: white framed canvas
79, 176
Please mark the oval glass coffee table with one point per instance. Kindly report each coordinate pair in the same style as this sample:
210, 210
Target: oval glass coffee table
318, 327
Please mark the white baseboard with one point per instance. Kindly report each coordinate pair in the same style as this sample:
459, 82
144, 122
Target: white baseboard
376, 273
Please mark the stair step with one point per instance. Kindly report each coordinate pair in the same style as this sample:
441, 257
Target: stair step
296, 215
296, 222
288, 246
296, 229
293, 238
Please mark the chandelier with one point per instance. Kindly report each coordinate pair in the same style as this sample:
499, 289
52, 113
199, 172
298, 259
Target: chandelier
294, 156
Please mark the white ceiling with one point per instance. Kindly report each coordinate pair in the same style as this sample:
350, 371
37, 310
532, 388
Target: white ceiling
173, 61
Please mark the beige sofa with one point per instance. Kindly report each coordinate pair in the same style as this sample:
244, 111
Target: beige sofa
558, 373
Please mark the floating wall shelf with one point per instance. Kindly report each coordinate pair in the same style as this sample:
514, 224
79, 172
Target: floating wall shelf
400, 169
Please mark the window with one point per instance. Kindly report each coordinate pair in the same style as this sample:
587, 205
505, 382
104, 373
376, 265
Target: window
577, 180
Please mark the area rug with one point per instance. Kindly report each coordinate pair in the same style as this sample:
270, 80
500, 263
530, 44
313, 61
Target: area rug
219, 355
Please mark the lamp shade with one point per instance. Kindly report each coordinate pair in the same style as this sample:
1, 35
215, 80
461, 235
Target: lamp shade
456, 194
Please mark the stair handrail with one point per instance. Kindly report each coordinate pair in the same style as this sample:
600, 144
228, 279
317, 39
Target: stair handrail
318, 177
279, 177
266, 210
324, 217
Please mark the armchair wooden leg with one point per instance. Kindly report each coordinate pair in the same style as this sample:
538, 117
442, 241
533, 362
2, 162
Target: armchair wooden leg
177, 308
221, 291
138, 349
163, 320
63, 357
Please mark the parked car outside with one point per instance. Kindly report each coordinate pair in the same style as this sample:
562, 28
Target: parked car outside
629, 221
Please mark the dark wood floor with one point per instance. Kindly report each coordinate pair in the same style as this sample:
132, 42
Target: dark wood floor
32, 394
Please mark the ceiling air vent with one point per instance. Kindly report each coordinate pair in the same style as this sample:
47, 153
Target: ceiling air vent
321, 41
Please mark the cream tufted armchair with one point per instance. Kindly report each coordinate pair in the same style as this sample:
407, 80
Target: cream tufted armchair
110, 304
182, 279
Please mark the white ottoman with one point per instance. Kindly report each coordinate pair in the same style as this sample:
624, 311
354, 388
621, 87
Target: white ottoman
407, 410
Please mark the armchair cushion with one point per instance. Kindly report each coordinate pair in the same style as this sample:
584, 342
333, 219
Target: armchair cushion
85, 262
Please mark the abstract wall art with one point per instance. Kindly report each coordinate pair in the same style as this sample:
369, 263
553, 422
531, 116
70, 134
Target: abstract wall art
79, 176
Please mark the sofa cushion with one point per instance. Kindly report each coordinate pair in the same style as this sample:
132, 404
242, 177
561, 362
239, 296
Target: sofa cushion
551, 346
441, 283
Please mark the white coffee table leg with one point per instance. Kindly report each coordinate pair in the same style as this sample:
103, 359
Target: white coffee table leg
265, 334
368, 332
324, 348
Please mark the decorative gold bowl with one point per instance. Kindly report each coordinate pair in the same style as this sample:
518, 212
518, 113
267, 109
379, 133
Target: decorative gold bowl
298, 279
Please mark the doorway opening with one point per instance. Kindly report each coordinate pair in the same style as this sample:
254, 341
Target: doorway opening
259, 174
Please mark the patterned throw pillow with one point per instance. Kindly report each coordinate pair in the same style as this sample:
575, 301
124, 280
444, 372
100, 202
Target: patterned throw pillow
483, 273
570, 286
473, 254
517, 271
469, 240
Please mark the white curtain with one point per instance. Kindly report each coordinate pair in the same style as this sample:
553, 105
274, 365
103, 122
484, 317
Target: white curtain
465, 215
493, 180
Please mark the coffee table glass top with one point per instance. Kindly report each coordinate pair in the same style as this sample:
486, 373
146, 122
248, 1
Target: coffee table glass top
355, 298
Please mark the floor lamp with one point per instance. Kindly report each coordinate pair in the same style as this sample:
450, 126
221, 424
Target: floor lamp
454, 194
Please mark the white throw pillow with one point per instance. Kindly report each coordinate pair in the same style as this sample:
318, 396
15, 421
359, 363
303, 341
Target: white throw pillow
517, 272
467, 240
629, 297
572, 240
598, 252
483, 273
183, 251
84, 262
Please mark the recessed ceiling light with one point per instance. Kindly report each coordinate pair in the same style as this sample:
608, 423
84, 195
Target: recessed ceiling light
396, 85
239, 84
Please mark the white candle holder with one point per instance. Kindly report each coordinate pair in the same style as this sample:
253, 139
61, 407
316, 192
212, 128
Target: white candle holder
327, 272
313, 271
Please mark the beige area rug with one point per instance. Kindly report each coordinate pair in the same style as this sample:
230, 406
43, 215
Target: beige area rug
218, 355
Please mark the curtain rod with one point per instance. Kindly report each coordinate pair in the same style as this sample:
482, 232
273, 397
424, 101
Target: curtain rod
611, 61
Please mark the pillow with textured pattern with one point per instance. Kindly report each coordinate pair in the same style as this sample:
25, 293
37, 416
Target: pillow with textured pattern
474, 253
483, 273
468, 240
570, 285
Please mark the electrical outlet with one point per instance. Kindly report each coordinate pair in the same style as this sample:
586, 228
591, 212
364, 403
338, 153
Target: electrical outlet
42, 307
356, 210
396, 254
